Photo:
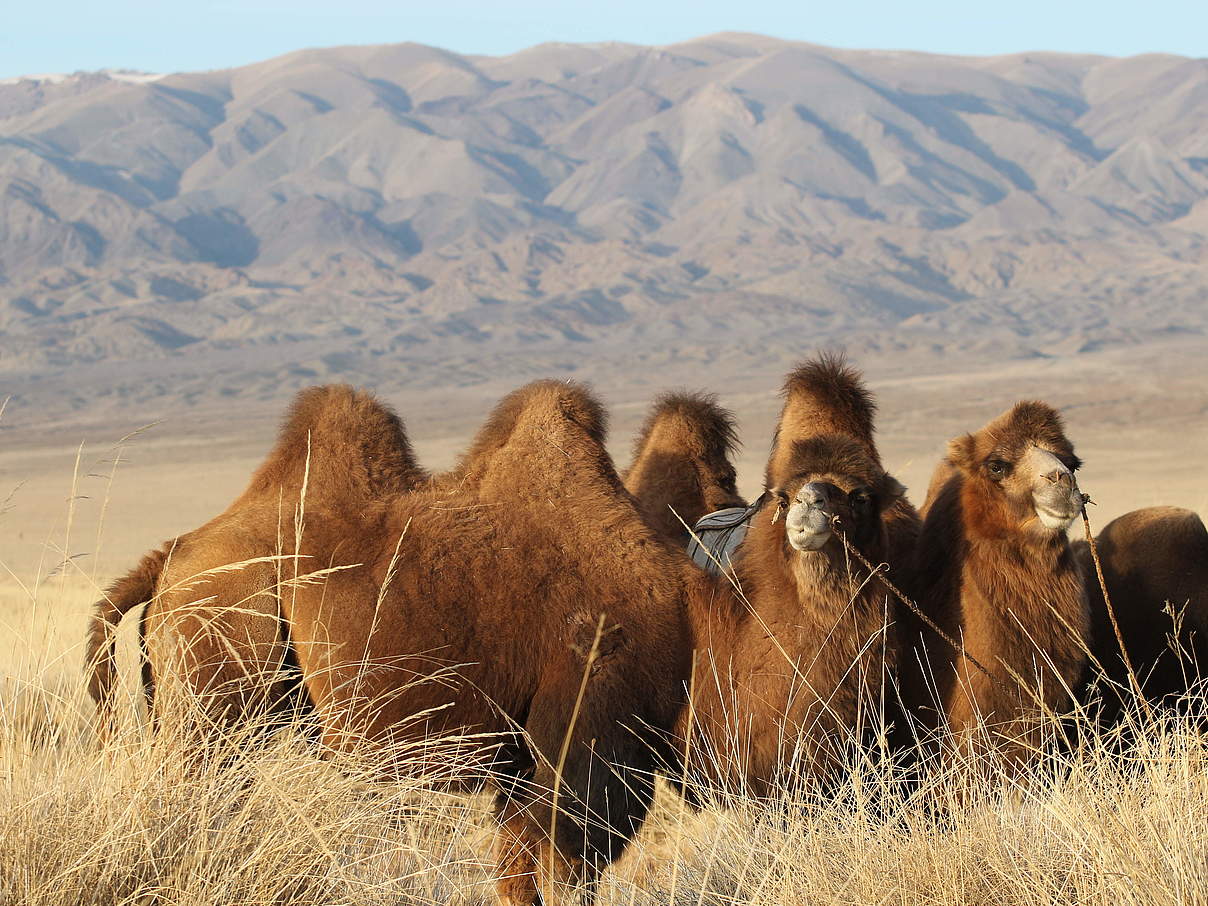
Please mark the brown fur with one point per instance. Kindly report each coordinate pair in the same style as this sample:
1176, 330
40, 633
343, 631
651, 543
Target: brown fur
792, 660
789, 662
681, 466
822, 396
1155, 565
344, 443
509, 579
827, 396
988, 575
503, 576
503, 573
347, 448
132, 590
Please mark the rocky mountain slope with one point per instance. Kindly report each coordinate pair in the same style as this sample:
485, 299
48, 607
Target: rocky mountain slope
409, 217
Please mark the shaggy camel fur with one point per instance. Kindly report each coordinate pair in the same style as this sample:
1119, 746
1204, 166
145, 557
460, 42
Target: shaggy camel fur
681, 466
792, 658
473, 605
995, 568
1155, 566
345, 449
529, 569
792, 651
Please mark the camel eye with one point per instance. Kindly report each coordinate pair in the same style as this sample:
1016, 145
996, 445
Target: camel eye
860, 498
998, 468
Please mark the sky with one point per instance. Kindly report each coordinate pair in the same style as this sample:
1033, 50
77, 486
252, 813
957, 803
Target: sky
185, 35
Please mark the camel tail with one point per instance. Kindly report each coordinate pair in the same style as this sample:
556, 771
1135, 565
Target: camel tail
136, 587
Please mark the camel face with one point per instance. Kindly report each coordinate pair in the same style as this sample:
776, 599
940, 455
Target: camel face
1020, 467
836, 485
819, 501
1038, 489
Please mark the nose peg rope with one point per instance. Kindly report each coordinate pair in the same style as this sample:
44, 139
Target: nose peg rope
879, 571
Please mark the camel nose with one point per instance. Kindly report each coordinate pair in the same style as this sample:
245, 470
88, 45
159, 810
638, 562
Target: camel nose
1061, 476
812, 496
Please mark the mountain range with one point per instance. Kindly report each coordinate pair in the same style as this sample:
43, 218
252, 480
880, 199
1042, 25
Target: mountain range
409, 217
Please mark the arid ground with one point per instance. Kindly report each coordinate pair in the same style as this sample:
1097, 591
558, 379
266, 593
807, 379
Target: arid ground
84, 824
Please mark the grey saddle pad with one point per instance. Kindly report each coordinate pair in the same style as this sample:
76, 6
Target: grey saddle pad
719, 535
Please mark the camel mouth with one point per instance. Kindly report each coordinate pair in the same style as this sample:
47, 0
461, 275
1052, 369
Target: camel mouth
1053, 519
1057, 510
808, 527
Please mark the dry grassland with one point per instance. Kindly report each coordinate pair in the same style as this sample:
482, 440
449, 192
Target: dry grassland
127, 823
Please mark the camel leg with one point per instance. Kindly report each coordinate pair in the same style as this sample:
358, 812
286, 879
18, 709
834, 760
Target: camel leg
516, 856
530, 871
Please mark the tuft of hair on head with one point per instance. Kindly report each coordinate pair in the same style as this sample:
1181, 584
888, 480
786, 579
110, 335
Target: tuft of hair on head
1027, 422
701, 417
836, 454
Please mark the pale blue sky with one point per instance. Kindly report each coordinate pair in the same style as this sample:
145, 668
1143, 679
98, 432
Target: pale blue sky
168, 35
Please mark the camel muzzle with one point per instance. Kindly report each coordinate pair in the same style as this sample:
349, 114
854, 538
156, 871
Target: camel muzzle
1059, 503
808, 524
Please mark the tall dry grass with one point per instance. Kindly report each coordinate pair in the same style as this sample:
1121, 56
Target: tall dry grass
1118, 819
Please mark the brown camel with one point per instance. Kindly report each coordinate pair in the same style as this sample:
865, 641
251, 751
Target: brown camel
793, 656
1155, 566
559, 626
792, 650
995, 569
471, 605
338, 448
681, 466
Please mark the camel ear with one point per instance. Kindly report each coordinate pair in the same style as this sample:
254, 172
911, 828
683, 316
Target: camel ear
961, 451
889, 491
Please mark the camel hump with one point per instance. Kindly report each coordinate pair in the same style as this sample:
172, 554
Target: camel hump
545, 442
688, 422
345, 442
1158, 538
555, 402
825, 395
681, 466
1170, 521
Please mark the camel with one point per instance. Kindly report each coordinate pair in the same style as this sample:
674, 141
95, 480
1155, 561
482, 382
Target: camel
793, 656
344, 448
791, 644
1155, 566
995, 570
523, 605
681, 466
475, 604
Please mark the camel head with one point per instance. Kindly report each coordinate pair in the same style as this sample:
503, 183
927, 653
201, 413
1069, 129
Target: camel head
834, 484
1019, 471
